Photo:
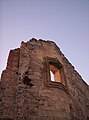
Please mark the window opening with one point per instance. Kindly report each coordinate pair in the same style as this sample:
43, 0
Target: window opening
55, 73
52, 76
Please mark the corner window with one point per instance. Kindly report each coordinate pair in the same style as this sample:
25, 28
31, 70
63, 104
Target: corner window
54, 74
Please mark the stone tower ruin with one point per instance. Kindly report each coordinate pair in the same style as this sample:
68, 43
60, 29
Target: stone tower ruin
39, 83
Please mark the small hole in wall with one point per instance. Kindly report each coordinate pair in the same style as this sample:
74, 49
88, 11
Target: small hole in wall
26, 72
27, 81
16, 73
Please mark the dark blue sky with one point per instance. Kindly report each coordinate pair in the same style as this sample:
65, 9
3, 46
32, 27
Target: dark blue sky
66, 22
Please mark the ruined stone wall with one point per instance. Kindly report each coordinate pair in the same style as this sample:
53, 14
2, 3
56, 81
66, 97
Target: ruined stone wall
26, 93
9, 80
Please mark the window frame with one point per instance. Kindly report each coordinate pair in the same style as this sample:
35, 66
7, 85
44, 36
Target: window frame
48, 81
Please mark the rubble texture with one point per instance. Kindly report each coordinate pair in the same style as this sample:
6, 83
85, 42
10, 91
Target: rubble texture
25, 93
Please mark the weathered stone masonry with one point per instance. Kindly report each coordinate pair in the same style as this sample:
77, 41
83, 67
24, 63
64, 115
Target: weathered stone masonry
26, 89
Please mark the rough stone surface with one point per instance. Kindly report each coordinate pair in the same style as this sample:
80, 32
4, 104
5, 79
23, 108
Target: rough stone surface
25, 93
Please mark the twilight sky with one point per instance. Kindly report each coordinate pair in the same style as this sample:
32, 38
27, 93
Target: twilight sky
66, 22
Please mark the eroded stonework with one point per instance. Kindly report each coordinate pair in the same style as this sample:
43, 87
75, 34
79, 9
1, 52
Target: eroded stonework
27, 93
